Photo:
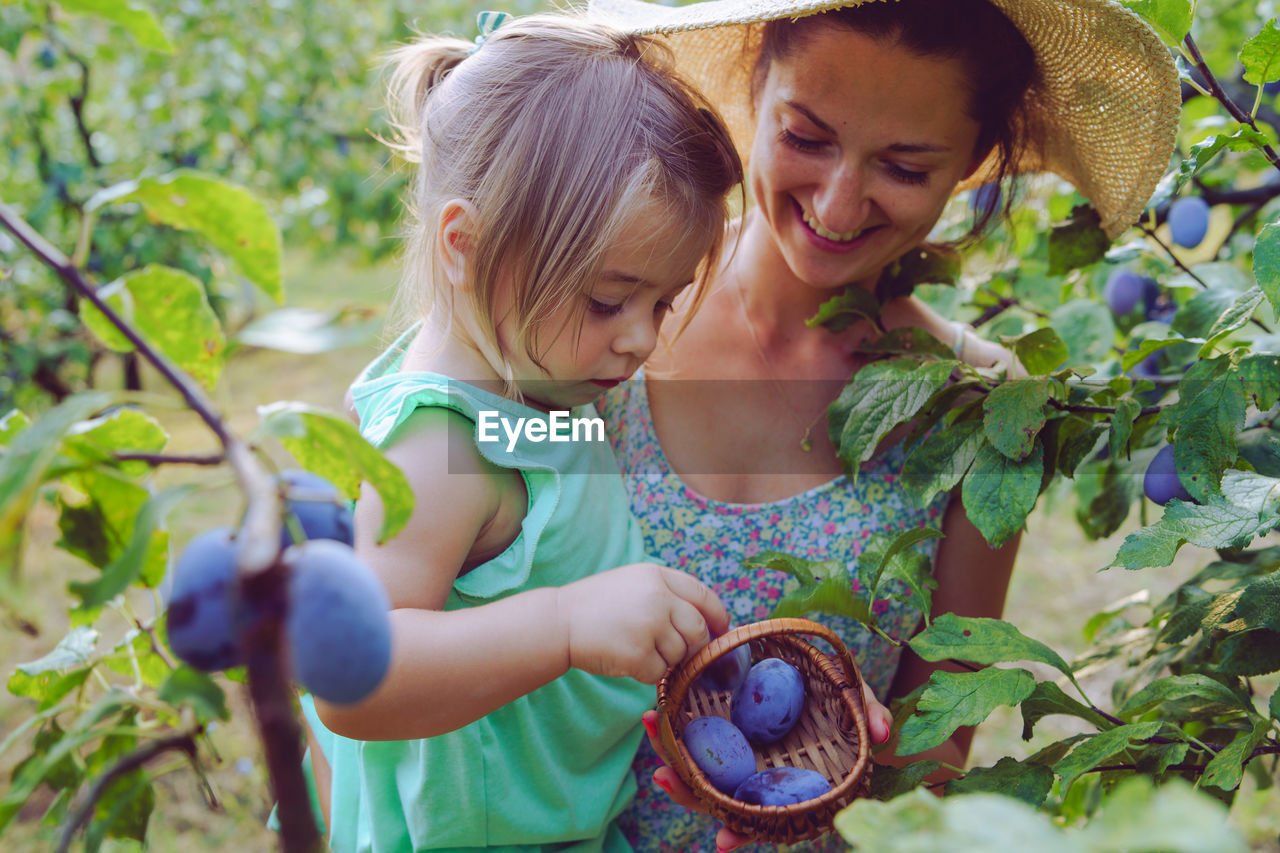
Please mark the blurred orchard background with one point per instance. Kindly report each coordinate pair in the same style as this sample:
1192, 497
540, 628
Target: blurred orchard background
282, 99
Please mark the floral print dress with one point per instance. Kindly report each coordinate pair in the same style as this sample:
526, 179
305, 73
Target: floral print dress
710, 539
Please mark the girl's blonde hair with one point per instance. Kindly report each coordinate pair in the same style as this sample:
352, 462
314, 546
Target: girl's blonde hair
555, 131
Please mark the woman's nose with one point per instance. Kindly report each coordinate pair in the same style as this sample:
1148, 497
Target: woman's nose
841, 203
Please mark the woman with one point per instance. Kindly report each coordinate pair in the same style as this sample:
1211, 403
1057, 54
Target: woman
857, 126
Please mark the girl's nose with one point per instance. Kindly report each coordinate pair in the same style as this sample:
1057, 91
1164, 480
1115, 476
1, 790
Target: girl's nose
638, 335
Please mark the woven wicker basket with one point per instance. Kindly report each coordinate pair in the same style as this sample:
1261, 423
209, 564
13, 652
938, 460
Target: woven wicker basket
830, 736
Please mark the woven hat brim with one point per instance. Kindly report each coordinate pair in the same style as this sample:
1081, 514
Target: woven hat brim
1102, 113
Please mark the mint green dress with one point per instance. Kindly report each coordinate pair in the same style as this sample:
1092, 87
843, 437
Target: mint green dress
551, 770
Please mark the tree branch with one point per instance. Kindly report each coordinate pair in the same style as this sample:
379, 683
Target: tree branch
1098, 410
158, 459
184, 740
1215, 88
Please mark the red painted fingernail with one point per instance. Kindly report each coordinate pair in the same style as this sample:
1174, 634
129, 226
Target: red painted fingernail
650, 726
884, 732
666, 786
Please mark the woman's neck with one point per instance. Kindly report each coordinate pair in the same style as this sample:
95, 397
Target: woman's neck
778, 302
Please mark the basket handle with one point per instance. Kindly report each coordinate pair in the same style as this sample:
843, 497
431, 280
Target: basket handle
744, 634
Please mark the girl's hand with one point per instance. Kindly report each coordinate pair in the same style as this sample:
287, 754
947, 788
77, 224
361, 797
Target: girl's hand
637, 621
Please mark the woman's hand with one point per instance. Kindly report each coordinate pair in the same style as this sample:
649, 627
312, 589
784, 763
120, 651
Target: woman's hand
879, 722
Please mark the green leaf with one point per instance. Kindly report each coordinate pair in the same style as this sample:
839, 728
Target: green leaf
806, 571
828, 595
13, 422
1259, 603
1248, 653
1227, 767
1266, 263
1235, 316
331, 446
880, 550
982, 640
1106, 490
1260, 55
1170, 18
1127, 411
925, 265
1014, 414
188, 686
24, 466
883, 560
955, 699
1049, 699
1261, 377
73, 650
1041, 351
1206, 440
999, 493
1252, 491
138, 20
846, 308
1078, 242
1101, 747
907, 340
1087, 327
1217, 523
881, 396
941, 460
125, 569
1174, 817
124, 809
169, 309
888, 781
236, 223
1029, 783
1180, 687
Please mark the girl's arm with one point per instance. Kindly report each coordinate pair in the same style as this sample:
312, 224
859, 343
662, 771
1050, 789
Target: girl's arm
972, 581
449, 669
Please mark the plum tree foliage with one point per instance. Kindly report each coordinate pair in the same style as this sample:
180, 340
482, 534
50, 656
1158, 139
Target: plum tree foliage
173, 151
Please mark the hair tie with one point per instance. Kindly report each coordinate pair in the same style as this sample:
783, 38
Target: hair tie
486, 23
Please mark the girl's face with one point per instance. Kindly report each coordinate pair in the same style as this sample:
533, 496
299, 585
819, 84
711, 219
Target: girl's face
859, 144
654, 258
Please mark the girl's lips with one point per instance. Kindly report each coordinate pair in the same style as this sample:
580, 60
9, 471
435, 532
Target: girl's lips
607, 383
825, 243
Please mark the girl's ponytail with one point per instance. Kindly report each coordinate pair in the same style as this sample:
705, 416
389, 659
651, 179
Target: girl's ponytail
416, 70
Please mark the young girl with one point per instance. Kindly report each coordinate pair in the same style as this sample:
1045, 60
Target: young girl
570, 187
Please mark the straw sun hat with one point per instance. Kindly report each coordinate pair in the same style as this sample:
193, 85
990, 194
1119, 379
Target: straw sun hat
1103, 110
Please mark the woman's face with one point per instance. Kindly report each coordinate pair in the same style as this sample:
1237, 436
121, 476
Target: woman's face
859, 144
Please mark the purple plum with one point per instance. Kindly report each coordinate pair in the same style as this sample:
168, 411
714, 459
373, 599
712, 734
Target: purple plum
782, 786
727, 671
769, 701
721, 750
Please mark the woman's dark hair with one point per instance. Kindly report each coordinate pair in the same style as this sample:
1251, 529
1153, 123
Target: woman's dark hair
1001, 68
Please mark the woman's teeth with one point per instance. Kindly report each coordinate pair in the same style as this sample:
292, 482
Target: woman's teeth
818, 229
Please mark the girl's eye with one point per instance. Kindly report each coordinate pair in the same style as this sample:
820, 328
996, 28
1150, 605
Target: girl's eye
786, 137
908, 176
662, 306
603, 309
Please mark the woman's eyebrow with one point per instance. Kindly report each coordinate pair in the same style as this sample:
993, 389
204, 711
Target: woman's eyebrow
808, 113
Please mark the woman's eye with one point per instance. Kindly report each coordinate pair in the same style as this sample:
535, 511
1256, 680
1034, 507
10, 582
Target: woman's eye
786, 137
604, 309
908, 176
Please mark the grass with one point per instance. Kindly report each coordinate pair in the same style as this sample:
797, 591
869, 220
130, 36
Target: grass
1056, 587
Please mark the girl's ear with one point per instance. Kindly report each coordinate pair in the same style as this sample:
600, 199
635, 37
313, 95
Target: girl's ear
455, 232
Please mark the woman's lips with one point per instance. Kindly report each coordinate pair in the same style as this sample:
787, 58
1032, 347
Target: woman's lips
826, 243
